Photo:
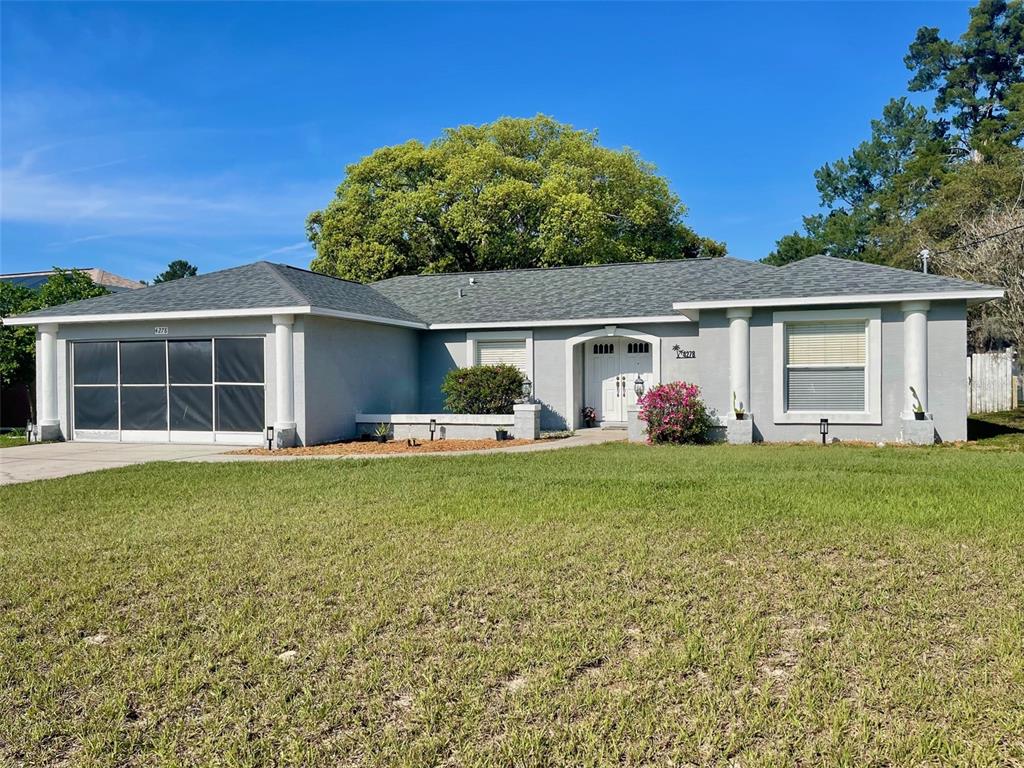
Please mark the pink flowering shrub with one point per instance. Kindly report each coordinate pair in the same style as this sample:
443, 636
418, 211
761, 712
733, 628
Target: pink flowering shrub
675, 413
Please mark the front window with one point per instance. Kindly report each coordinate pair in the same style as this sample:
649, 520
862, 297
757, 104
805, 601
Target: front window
826, 366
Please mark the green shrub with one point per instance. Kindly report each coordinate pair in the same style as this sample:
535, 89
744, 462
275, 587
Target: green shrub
483, 389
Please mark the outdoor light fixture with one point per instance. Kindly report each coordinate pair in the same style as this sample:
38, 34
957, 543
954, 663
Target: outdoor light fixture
638, 385
270, 438
527, 390
823, 429
29, 431
433, 428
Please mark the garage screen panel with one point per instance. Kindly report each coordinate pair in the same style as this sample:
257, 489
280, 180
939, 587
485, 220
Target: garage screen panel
192, 408
143, 408
95, 363
239, 409
94, 371
191, 361
143, 362
95, 407
238, 385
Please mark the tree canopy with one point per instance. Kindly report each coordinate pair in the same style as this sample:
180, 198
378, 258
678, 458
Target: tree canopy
17, 343
176, 270
509, 194
924, 174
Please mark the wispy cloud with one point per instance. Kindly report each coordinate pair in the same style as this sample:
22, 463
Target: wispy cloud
285, 249
197, 206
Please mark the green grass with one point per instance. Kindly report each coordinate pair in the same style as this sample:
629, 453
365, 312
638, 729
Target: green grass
12, 439
754, 606
1001, 430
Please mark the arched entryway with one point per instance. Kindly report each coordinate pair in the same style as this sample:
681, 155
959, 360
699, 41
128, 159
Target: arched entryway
601, 368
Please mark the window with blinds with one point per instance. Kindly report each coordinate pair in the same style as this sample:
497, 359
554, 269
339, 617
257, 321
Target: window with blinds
511, 352
826, 366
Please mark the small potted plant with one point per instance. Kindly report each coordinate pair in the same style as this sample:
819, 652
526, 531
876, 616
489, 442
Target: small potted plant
380, 434
919, 413
737, 408
589, 416
500, 433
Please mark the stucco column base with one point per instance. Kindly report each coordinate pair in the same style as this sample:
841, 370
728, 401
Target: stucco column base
49, 432
284, 436
527, 421
636, 430
740, 432
917, 432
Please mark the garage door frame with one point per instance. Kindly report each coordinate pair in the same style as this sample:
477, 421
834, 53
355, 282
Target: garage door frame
167, 435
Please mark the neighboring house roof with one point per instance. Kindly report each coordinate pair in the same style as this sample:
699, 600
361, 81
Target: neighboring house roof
609, 293
110, 281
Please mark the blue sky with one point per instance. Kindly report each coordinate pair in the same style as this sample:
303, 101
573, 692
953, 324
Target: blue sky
136, 134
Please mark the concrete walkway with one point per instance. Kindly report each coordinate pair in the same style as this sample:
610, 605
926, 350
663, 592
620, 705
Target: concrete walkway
50, 460
45, 461
582, 437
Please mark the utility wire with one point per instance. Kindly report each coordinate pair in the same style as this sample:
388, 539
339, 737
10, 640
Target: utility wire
978, 242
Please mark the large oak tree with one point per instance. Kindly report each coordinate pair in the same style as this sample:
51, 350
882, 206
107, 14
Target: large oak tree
509, 194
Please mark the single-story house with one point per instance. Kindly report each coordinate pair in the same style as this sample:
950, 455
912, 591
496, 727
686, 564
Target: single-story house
222, 356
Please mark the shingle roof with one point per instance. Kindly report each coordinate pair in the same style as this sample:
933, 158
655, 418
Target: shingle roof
829, 276
631, 290
567, 293
252, 286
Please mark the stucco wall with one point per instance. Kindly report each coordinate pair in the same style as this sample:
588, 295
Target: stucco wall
947, 382
353, 367
440, 351
145, 331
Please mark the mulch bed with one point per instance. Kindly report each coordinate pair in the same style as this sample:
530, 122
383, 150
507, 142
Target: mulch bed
392, 446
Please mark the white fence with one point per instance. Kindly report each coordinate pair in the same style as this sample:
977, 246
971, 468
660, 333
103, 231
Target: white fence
990, 382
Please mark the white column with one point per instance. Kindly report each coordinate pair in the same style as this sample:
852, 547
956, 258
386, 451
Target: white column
46, 402
915, 354
739, 356
285, 374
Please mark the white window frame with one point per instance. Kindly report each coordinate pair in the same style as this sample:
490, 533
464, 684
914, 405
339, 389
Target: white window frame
472, 337
872, 317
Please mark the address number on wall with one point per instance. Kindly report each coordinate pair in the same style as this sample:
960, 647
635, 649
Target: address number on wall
160, 330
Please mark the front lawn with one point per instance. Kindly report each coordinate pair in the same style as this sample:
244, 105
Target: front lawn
617, 604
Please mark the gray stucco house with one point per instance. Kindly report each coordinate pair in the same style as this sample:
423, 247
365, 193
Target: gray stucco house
219, 357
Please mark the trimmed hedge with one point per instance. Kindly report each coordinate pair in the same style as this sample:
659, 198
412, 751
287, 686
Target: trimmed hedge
483, 389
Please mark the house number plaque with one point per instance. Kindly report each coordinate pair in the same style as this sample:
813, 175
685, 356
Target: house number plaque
684, 354
160, 330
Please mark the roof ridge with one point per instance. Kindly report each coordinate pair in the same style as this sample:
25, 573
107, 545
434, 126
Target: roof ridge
284, 281
566, 267
319, 274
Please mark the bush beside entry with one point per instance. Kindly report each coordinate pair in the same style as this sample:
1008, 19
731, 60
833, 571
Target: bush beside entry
675, 413
483, 389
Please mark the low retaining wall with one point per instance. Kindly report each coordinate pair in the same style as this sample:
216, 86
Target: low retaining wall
453, 426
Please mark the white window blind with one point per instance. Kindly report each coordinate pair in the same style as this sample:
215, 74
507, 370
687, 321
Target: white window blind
511, 352
839, 343
825, 366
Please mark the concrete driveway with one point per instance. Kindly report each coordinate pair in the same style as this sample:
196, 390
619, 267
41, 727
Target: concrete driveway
48, 460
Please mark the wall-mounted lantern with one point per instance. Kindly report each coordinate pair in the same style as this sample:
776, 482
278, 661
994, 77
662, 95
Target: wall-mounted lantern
823, 429
638, 386
433, 428
270, 438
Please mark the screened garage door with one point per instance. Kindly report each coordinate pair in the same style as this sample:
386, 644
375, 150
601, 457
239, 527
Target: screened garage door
174, 390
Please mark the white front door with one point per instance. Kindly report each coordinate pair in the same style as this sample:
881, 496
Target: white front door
612, 366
